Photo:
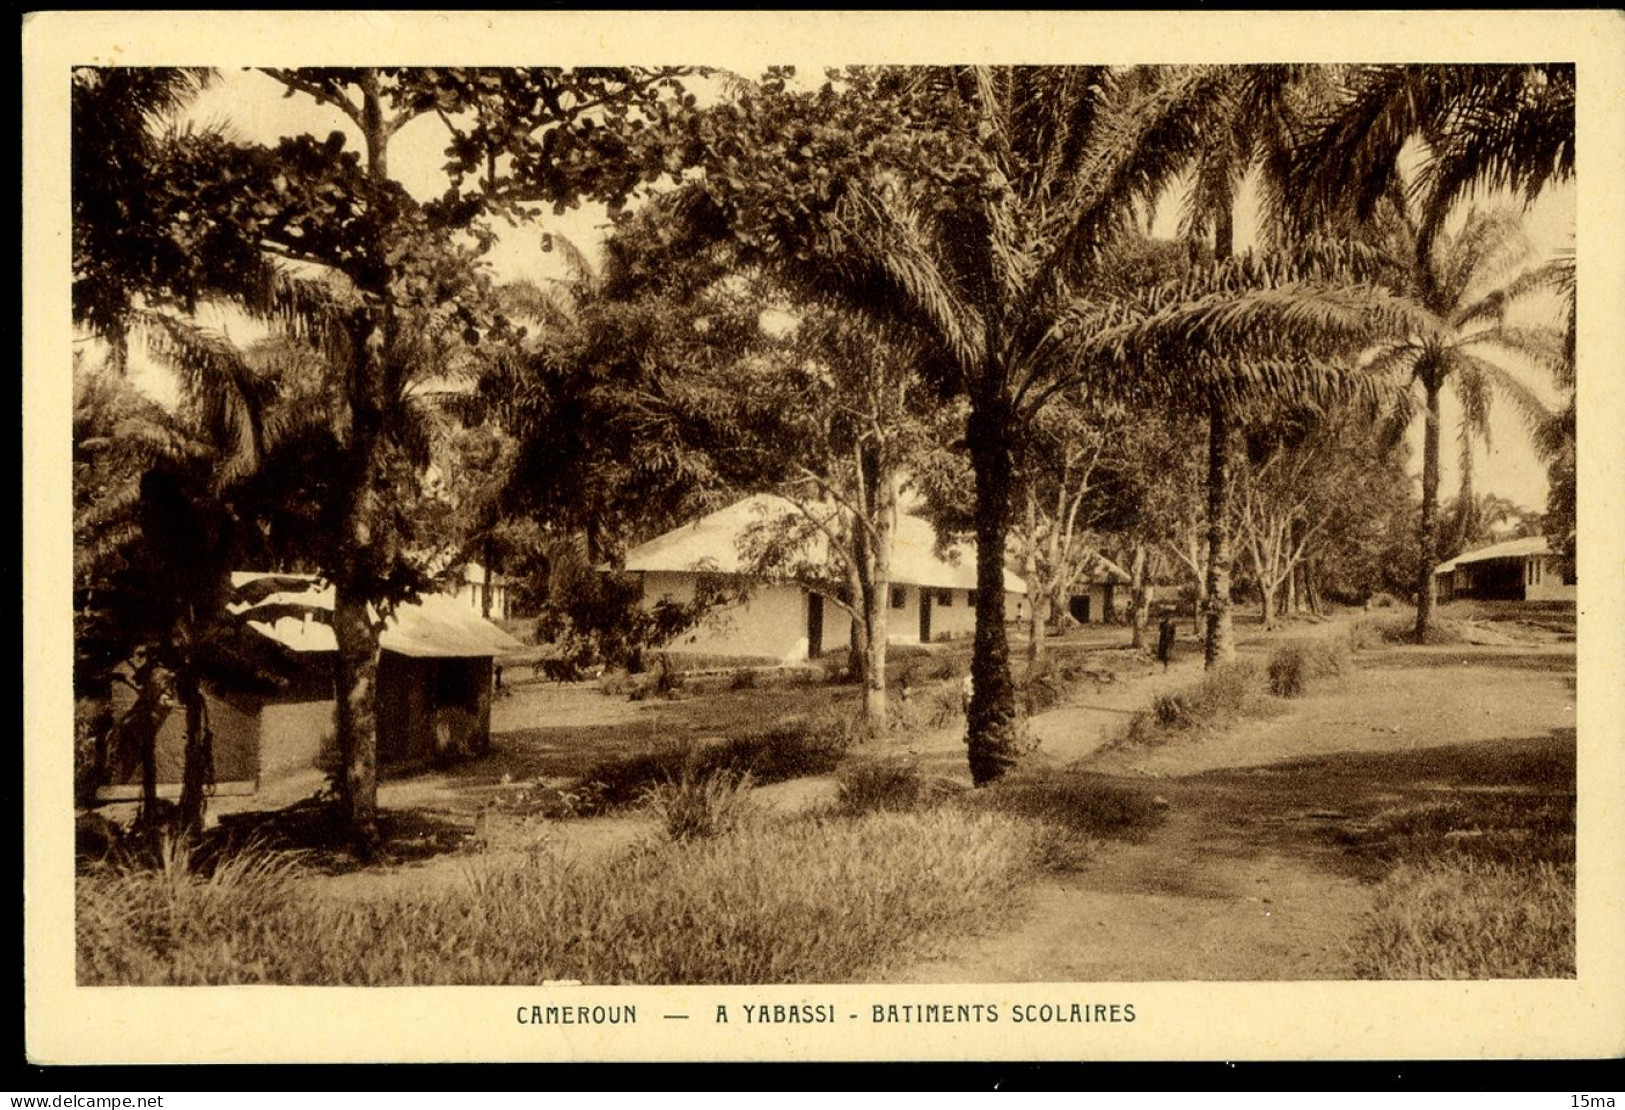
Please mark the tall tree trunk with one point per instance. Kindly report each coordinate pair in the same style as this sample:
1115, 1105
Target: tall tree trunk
1140, 612
1266, 593
1037, 591
1292, 588
883, 502
485, 596
1428, 533
991, 722
357, 705
1221, 646
198, 762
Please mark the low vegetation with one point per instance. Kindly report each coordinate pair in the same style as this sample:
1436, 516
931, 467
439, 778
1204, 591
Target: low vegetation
1222, 696
692, 807
1477, 887
814, 899
1469, 918
1294, 667
1375, 632
811, 745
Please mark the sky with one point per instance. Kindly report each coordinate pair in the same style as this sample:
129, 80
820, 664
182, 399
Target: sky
252, 107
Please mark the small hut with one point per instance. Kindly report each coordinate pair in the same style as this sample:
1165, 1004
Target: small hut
271, 711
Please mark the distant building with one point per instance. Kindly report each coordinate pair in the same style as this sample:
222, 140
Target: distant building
1524, 569
273, 714
470, 587
931, 598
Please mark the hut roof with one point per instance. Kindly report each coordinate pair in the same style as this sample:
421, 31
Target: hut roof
295, 610
711, 544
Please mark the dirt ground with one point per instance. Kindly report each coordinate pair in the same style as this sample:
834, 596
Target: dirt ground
1249, 877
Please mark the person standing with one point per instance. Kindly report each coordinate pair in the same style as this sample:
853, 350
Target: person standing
1167, 632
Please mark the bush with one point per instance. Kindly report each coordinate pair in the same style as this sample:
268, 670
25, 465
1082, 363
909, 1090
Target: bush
1294, 666
887, 786
1380, 631
814, 900
742, 679
699, 807
790, 749
1075, 810
1224, 694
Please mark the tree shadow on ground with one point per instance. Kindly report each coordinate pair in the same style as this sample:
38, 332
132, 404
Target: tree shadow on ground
316, 830
1359, 813
1511, 658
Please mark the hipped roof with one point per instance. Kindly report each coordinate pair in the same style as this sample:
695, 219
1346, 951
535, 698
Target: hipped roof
295, 610
1509, 549
711, 545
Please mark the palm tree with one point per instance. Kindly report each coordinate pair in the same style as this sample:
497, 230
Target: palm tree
1263, 110
154, 547
973, 207
1462, 292
1503, 126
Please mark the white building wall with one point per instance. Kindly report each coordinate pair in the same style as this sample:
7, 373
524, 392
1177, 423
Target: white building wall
1543, 580
771, 624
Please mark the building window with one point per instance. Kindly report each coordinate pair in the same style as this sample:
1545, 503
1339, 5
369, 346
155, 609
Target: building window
945, 598
899, 597
970, 599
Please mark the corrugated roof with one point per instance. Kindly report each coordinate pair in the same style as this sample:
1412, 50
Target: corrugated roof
290, 609
711, 545
1508, 549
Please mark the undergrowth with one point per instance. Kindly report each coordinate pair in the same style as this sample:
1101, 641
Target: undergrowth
815, 899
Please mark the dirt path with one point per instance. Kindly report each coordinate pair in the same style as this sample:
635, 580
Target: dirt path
1246, 879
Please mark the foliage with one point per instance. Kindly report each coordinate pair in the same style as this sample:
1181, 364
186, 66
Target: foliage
1293, 667
809, 900
1225, 694
891, 785
791, 749
693, 807
1471, 919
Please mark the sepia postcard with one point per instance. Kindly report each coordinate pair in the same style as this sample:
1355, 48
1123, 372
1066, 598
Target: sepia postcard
823, 536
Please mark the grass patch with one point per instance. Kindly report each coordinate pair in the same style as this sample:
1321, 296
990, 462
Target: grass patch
1375, 632
811, 745
1479, 885
803, 901
1468, 918
693, 808
1073, 809
890, 785
1223, 695
1294, 667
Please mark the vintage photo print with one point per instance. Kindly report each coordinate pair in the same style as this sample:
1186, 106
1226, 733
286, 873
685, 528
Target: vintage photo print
822, 536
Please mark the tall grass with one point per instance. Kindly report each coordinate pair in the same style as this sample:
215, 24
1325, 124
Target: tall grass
795, 748
807, 900
695, 807
1223, 695
1480, 886
1294, 667
1468, 918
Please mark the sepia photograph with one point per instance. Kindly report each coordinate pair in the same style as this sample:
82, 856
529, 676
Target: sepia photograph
1045, 549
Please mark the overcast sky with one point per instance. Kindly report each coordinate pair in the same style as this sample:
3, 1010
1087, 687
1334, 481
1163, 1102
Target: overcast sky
254, 108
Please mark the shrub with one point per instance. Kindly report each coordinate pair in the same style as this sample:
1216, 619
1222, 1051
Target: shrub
1074, 809
699, 807
886, 786
1224, 694
814, 900
743, 679
1377, 631
1293, 666
790, 749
